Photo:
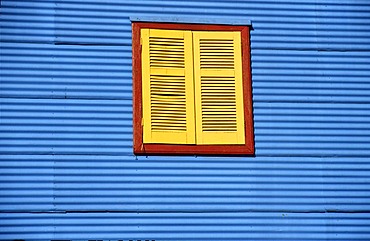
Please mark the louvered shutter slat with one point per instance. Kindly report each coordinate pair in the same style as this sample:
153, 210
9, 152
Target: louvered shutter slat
218, 88
167, 80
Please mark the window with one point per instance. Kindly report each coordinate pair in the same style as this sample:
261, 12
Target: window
192, 89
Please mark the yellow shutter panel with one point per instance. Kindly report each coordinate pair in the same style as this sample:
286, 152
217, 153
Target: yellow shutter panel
218, 88
167, 87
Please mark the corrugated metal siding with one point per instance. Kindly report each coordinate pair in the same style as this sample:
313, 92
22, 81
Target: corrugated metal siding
185, 226
67, 168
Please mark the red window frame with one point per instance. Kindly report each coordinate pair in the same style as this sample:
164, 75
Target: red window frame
141, 148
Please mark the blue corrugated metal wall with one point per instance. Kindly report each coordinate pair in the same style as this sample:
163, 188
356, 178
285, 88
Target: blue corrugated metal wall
67, 168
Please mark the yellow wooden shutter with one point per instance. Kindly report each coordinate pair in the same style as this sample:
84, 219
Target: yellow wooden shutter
167, 92
218, 88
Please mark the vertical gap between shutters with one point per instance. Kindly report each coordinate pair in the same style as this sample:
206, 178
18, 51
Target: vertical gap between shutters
195, 112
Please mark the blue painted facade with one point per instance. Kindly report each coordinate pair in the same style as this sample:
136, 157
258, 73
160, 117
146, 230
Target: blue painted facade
67, 167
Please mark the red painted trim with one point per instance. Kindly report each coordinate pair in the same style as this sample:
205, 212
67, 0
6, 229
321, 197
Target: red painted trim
162, 149
247, 85
199, 27
168, 149
136, 86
